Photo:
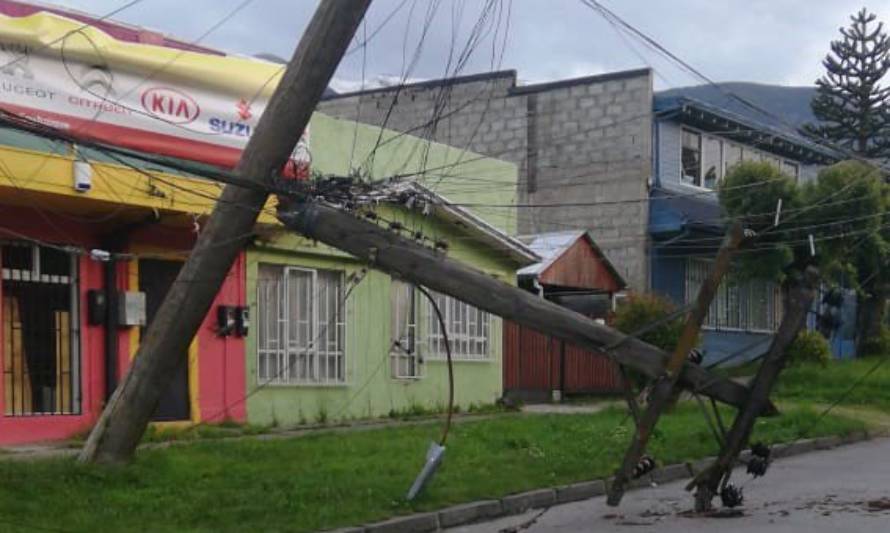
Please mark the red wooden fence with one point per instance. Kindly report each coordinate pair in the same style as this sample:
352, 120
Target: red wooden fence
536, 364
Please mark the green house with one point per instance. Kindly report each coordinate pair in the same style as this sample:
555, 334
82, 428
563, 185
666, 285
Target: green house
333, 339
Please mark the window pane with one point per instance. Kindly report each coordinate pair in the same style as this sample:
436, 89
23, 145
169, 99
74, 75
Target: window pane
791, 169
732, 155
749, 154
691, 157
18, 257
468, 330
712, 157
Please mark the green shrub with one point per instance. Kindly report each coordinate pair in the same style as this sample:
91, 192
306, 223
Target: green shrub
809, 347
878, 345
640, 310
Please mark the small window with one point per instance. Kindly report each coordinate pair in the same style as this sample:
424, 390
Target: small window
712, 158
40, 351
404, 349
691, 157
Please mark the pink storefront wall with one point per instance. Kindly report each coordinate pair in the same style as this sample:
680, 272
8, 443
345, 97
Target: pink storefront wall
221, 369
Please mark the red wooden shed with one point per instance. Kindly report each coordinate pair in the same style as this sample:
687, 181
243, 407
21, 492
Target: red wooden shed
576, 274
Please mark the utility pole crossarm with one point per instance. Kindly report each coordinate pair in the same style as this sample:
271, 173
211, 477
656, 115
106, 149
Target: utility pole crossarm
394, 254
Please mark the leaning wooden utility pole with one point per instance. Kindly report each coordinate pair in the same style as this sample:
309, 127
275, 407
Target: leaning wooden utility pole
394, 254
707, 483
122, 423
666, 383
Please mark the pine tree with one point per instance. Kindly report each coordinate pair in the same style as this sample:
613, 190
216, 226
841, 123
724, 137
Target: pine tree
854, 112
851, 105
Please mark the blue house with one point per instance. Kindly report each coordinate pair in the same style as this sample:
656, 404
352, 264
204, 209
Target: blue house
695, 144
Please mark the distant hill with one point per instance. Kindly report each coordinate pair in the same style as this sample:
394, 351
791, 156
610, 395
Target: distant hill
791, 104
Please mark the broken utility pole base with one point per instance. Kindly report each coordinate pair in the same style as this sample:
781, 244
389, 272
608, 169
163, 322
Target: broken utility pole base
389, 252
663, 389
710, 481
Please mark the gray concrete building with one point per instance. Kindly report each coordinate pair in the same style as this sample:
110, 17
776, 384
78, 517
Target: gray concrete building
583, 147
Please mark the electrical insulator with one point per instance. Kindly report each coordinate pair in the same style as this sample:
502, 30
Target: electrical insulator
760, 450
695, 356
757, 466
731, 496
646, 465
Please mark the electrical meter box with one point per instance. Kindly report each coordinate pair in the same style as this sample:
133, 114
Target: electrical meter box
131, 309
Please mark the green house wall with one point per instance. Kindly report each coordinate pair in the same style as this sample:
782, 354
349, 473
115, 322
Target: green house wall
370, 390
339, 146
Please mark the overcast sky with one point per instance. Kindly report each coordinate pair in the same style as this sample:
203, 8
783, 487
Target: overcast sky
768, 41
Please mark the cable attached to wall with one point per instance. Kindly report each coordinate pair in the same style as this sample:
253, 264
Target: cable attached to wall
436, 451
444, 329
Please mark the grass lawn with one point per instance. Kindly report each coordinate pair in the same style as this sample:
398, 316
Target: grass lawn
330, 480
817, 384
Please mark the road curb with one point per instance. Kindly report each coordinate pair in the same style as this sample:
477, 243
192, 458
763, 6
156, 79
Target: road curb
514, 504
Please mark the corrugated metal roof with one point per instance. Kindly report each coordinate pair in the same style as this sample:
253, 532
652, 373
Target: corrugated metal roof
549, 246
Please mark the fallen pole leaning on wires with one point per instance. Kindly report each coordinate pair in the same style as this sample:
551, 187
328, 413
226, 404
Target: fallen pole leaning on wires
390, 252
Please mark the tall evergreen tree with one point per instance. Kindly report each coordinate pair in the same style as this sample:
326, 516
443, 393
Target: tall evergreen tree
851, 105
854, 111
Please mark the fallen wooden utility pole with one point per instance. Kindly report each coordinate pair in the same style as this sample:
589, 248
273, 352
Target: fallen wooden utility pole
707, 483
665, 384
124, 419
388, 251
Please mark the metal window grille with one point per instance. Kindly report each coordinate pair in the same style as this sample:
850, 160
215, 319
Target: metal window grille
406, 360
41, 355
739, 305
301, 326
469, 329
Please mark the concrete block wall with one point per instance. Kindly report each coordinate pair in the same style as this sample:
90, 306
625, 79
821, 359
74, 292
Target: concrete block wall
587, 140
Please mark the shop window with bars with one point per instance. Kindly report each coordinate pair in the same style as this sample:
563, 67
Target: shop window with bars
40, 353
406, 359
739, 305
469, 330
301, 326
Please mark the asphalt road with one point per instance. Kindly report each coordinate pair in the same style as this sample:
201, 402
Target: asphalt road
842, 490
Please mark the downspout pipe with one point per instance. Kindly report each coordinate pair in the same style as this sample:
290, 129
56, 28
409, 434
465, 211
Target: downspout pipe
110, 338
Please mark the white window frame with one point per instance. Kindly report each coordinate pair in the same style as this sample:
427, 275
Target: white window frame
406, 359
301, 363
470, 339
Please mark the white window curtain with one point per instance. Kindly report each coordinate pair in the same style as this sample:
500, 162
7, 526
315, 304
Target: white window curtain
404, 350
